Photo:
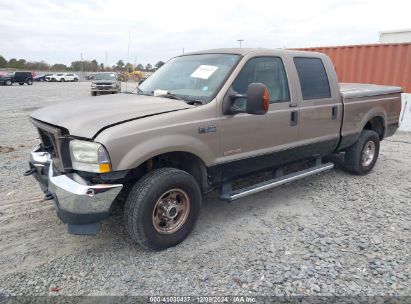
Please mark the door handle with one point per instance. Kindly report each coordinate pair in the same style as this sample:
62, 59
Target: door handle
294, 118
334, 112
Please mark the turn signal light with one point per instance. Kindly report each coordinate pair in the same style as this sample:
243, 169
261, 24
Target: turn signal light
104, 168
266, 99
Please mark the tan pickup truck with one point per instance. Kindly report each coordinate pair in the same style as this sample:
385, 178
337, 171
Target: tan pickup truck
202, 122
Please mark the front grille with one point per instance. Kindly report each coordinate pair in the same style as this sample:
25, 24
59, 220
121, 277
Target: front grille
54, 143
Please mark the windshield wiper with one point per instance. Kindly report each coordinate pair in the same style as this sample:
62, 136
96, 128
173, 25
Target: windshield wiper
168, 94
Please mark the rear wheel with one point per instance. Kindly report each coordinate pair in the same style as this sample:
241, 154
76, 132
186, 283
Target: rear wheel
361, 157
9, 82
162, 208
29, 81
62, 80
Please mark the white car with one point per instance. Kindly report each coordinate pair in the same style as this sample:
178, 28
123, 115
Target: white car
62, 77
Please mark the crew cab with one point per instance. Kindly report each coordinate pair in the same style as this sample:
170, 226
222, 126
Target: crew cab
202, 122
105, 83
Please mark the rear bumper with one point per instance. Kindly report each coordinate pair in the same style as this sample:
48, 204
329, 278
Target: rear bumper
77, 201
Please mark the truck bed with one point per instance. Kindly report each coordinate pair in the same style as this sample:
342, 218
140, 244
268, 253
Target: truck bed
357, 90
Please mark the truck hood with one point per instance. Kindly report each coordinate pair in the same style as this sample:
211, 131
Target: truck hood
86, 117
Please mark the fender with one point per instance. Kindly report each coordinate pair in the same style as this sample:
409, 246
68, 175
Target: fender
147, 149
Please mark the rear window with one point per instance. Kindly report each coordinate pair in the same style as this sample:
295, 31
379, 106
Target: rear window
313, 78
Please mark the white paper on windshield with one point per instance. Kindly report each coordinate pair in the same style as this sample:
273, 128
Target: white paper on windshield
204, 71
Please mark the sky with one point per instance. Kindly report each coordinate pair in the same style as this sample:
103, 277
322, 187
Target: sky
60, 31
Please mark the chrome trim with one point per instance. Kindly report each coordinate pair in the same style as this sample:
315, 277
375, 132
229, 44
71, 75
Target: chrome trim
39, 159
79, 198
276, 182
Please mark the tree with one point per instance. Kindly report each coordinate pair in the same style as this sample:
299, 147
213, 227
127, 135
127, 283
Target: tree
94, 65
21, 64
140, 67
159, 64
101, 67
129, 67
120, 65
12, 63
58, 67
149, 67
76, 65
3, 62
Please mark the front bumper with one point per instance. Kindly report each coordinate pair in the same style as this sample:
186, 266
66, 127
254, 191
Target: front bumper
78, 203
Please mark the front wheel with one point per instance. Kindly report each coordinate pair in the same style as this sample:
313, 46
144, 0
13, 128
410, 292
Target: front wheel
361, 157
9, 82
62, 80
162, 208
29, 82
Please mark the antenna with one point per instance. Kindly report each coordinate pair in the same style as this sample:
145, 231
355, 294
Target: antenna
240, 40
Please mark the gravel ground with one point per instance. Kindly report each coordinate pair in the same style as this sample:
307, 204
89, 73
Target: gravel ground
331, 234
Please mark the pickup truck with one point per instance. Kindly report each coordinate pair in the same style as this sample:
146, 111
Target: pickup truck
202, 122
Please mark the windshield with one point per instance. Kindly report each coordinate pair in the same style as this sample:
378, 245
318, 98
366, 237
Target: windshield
192, 77
104, 76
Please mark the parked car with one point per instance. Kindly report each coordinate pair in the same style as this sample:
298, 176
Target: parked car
17, 77
62, 77
41, 77
202, 122
105, 83
90, 77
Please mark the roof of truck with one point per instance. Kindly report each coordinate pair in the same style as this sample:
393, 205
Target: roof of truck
245, 51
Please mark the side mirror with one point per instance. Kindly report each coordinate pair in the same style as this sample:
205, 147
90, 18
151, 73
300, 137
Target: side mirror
257, 101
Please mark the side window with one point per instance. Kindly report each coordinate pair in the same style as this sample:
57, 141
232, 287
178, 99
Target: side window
267, 70
313, 78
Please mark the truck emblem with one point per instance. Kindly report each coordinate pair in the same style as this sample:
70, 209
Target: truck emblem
207, 129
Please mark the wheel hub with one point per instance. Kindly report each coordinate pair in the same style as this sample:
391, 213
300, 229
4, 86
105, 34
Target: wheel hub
171, 211
368, 153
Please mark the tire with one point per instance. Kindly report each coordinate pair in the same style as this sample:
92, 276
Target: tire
29, 81
62, 80
357, 161
93, 93
75, 80
8, 82
21, 83
140, 212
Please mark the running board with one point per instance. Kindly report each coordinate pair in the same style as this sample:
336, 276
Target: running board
236, 194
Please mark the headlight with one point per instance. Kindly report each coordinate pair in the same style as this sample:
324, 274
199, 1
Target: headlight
89, 156
93, 85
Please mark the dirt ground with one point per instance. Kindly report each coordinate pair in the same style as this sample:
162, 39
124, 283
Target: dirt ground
332, 234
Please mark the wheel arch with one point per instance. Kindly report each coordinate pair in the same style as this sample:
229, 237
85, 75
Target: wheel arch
183, 160
377, 124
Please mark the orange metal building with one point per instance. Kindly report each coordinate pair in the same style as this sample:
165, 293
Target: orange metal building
388, 64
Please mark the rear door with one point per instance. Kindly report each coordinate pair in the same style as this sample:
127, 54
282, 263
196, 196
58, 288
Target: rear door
69, 77
320, 106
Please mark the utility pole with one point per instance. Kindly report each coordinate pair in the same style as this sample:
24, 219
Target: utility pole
183, 51
240, 40
106, 59
82, 67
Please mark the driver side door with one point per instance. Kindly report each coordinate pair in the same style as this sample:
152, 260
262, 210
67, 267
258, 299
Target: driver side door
251, 142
